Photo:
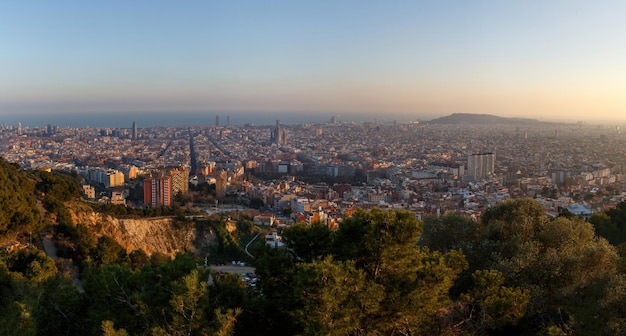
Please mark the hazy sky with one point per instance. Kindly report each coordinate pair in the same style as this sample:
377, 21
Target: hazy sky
553, 60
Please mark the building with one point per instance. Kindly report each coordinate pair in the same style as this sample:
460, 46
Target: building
89, 192
161, 187
134, 134
278, 135
221, 182
580, 210
113, 178
480, 166
179, 180
157, 191
118, 197
266, 219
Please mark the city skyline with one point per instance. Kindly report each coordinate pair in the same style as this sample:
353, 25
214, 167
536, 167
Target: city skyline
552, 61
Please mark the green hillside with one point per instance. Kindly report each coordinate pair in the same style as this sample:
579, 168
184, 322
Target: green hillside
18, 206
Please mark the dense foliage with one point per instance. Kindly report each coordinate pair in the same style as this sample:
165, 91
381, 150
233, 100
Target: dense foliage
18, 211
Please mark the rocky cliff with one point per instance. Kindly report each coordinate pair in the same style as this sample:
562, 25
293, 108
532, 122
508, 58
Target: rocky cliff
161, 234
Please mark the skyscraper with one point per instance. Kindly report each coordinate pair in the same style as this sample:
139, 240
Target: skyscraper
217, 120
134, 135
481, 165
227, 121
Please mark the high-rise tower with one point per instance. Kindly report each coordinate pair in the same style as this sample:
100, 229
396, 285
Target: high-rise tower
156, 191
480, 165
134, 135
217, 120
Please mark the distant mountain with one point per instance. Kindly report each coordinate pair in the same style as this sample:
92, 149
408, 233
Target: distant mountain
469, 118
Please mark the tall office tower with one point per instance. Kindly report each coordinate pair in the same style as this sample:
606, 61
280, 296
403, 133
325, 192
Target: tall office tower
481, 165
227, 120
134, 136
156, 191
217, 120
49, 129
19, 128
278, 135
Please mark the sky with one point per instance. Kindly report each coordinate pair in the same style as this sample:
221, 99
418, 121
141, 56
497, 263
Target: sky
412, 60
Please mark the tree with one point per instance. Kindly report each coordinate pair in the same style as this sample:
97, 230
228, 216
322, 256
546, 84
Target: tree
276, 269
109, 251
17, 297
488, 306
415, 281
17, 320
448, 232
606, 227
112, 291
108, 329
417, 284
334, 298
611, 224
189, 298
308, 241
363, 237
560, 262
61, 309
191, 312
33, 264
138, 259
225, 321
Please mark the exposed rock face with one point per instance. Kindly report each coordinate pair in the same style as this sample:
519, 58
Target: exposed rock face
151, 235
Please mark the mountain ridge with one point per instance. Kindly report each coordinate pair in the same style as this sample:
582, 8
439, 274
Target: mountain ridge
474, 118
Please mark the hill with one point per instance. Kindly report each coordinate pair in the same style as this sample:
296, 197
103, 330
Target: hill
470, 119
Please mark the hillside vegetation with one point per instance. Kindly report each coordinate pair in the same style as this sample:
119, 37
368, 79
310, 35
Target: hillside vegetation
18, 206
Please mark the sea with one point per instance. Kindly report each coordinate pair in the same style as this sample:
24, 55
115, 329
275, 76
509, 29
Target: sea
178, 118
